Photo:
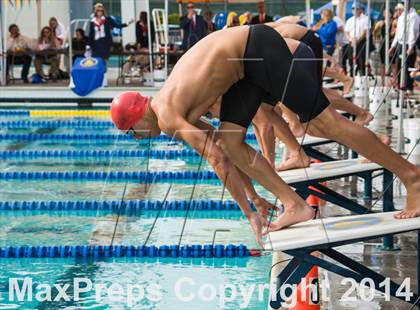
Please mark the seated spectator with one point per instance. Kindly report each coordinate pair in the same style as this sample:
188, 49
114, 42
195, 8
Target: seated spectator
327, 31
47, 44
79, 43
194, 27
58, 29
17, 43
261, 18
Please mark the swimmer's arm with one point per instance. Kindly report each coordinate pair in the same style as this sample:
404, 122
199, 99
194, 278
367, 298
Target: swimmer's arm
261, 204
204, 144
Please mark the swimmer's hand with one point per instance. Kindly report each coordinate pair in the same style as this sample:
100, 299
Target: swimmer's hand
263, 207
257, 222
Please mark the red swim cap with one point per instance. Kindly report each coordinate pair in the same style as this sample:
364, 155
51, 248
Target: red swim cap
127, 109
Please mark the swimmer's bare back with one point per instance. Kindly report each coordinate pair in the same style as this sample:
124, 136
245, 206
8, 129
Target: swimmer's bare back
203, 74
287, 30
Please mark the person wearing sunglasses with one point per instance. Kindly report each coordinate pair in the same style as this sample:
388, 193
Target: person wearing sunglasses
194, 27
250, 68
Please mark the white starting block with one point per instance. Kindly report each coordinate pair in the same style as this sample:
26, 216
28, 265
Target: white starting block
323, 235
302, 178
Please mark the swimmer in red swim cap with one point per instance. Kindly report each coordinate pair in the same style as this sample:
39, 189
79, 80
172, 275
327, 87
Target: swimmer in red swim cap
127, 109
248, 67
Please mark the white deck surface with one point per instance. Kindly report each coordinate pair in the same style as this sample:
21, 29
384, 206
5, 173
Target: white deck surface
326, 170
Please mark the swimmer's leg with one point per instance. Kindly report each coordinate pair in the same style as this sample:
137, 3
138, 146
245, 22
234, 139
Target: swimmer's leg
330, 124
338, 102
337, 75
293, 121
297, 157
264, 132
231, 138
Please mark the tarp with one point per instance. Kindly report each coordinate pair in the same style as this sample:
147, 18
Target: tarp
87, 75
317, 13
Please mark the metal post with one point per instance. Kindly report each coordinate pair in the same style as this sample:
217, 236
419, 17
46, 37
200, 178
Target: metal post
149, 38
388, 206
308, 12
3, 50
366, 101
166, 37
387, 25
368, 186
354, 47
418, 266
401, 93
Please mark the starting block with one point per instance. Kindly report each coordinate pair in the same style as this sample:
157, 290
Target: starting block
322, 235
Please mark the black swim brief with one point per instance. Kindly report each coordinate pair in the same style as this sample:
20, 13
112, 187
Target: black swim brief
273, 74
312, 39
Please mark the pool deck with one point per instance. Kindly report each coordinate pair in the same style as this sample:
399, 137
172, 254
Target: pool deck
48, 95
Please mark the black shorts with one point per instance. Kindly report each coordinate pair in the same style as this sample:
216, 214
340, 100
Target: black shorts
312, 40
273, 74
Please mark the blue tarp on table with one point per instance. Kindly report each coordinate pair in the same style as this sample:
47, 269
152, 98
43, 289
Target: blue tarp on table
87, 74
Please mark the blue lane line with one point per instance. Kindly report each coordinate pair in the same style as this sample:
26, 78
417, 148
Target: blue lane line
97, 251
129, 176
78, 154
89, 137
113, 205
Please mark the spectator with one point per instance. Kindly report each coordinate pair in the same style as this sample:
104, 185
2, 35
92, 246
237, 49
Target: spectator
327, 31
17, 43
379, 32
140, 61
79, 43
208, 18
142, 34
100, 37
47, 43
339, 38
412, 32
234, 21
194, 27
247, 18
356, 30
58, 29
261, 18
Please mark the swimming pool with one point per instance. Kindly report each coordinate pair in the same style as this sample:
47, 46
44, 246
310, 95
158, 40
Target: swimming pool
73, 210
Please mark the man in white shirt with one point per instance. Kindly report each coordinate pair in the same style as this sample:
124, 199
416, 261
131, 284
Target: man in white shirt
17, 45
355, 31
412, 33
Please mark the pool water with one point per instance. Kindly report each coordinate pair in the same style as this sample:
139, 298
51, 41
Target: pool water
167, 283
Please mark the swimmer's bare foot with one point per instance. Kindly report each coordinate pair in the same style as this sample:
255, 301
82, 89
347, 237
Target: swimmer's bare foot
292, 215
413, 199
296, 160
296, 128
364, 118
347, 85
